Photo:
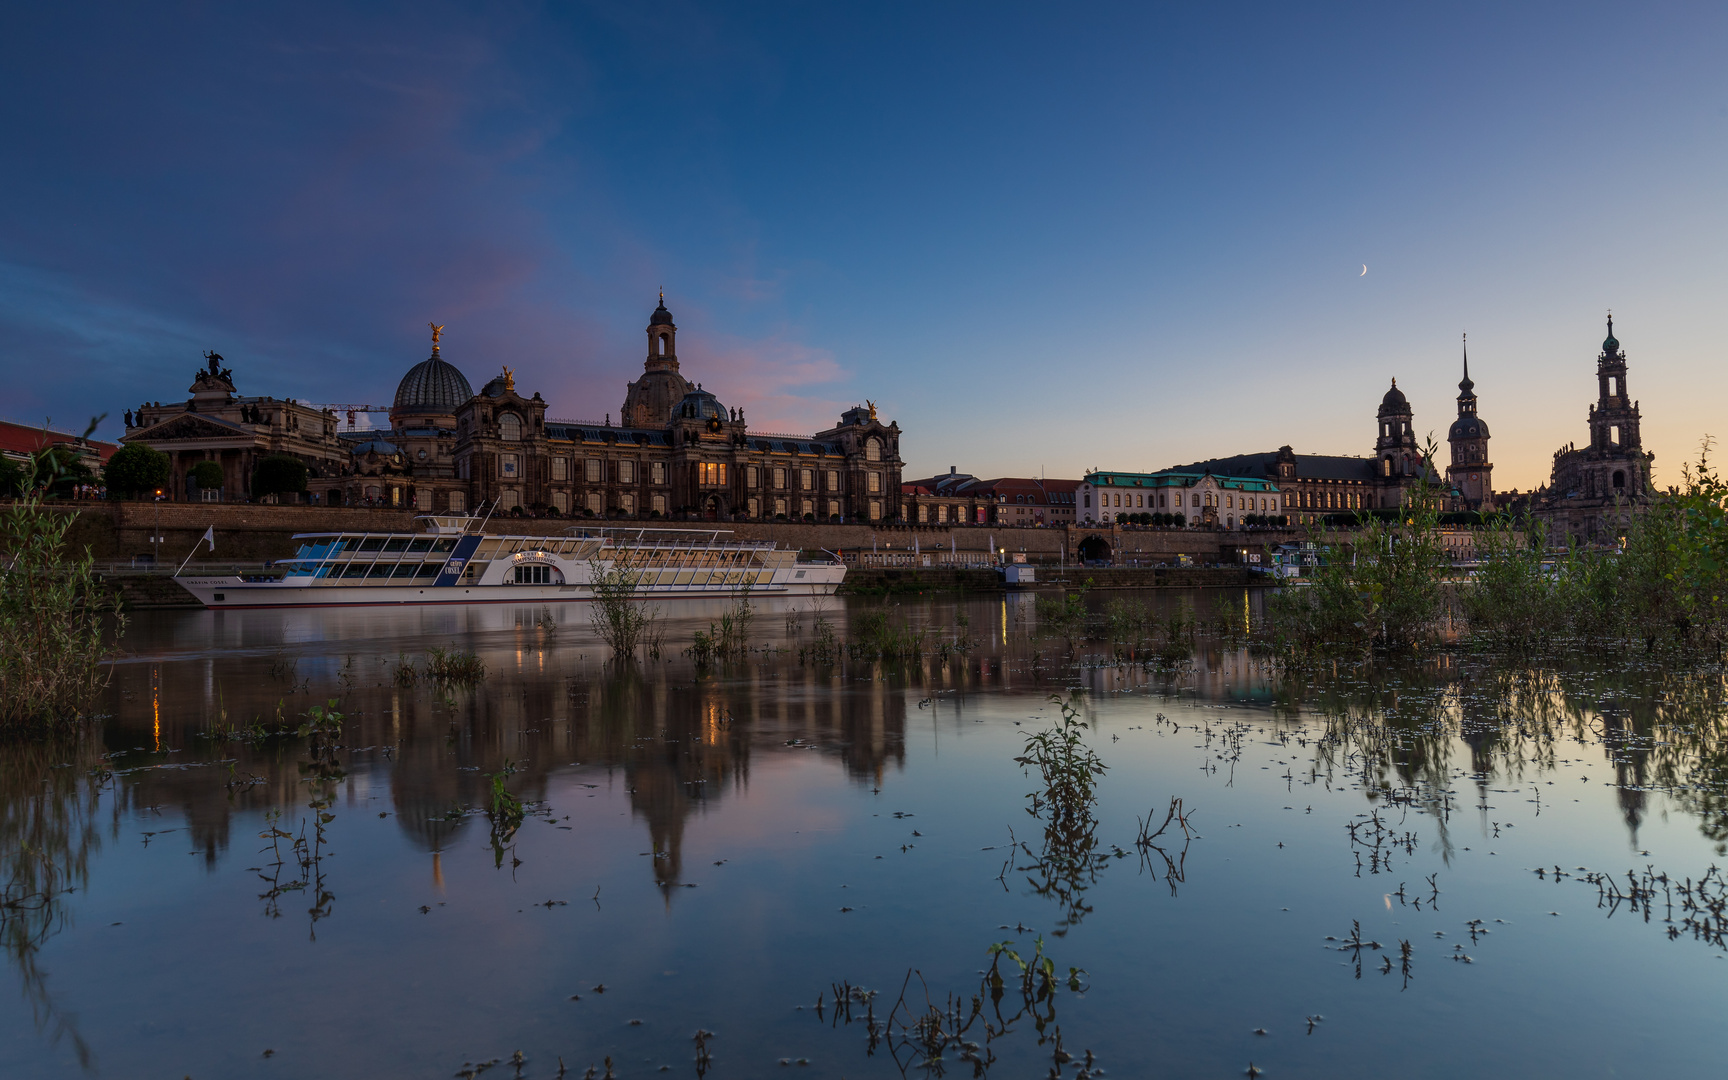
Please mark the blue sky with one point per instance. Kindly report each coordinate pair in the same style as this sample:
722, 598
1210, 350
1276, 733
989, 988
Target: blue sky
1041, 237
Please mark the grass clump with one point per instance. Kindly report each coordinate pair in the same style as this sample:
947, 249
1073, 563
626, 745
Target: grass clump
727, 639
452, 665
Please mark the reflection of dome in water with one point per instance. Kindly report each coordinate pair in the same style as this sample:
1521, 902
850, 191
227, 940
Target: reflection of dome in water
432, 385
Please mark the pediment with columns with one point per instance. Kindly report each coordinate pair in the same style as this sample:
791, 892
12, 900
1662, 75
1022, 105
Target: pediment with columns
187, 426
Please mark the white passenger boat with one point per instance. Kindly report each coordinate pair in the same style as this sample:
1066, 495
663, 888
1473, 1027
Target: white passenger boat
452, 562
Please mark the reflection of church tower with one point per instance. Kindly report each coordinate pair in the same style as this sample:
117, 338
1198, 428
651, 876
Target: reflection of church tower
1471, 473
650, 400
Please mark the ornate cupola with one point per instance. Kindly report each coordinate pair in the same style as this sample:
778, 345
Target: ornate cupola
662, 338
651, 400
1395, 447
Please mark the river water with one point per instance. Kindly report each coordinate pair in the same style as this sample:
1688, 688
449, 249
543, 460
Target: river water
716, 849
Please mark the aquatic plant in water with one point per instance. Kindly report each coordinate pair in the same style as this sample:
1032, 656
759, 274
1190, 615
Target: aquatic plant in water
621, 620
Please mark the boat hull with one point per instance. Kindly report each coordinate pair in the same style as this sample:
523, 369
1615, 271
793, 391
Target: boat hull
235, 592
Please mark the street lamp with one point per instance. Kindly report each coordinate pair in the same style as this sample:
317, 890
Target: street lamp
156, 534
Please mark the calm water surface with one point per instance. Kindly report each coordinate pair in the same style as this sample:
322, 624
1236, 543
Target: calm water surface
716, 849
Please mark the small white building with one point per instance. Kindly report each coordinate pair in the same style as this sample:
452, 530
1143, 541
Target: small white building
1178, 499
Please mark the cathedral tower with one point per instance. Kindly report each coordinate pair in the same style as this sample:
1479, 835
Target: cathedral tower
1614, 417
1471, 473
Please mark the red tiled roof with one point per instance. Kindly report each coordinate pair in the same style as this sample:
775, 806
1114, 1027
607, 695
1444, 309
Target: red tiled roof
23, 439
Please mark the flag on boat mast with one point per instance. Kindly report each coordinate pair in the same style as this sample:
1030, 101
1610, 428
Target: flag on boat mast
209, 537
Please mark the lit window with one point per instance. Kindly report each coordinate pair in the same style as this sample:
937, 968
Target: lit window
626, 472
875, 482
591, 470
806, 479
833, 480
560, 468
872, 449
657, 473
560, 501
658, 505
711, 473
510, 427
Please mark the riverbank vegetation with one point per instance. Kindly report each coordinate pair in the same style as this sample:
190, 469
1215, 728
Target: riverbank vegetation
1390, 588
56, 618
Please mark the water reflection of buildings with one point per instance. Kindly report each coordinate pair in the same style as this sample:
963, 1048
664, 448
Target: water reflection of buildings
678, 742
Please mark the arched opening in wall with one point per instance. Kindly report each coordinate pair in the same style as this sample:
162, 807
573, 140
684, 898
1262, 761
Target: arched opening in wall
1613, 386
1386, 466
1614, 436
711, 507
1094, 549
1619, 480
510, 427
660, 344
872, 449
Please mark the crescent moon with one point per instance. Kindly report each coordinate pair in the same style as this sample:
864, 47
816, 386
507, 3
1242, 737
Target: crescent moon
1364, 272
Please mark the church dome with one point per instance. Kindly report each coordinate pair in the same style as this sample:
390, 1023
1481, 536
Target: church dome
1394, 399
661, 316
1611, 344
701, 405
432, 385
1468, 427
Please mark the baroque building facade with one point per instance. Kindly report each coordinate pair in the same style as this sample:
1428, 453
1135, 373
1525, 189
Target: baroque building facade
1311, 486
1593, 490
676, 452
218, 424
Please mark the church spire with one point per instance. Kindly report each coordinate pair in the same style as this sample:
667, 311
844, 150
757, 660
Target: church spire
1466, 386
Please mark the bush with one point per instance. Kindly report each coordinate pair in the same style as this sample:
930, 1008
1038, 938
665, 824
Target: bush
206, 476
278, 474
52, 613
134, 470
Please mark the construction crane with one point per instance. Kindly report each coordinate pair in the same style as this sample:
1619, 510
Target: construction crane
351, 410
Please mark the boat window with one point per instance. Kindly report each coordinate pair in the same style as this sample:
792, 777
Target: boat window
422, 544
447, 543
354, 570
372, 543
399, 543
428, 570
406, 569
379, 570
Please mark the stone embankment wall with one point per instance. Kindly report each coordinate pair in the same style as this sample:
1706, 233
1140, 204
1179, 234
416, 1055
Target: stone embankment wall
873, 581
122, 530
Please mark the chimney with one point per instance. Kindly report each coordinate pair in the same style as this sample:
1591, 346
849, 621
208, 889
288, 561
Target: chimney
952, 470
